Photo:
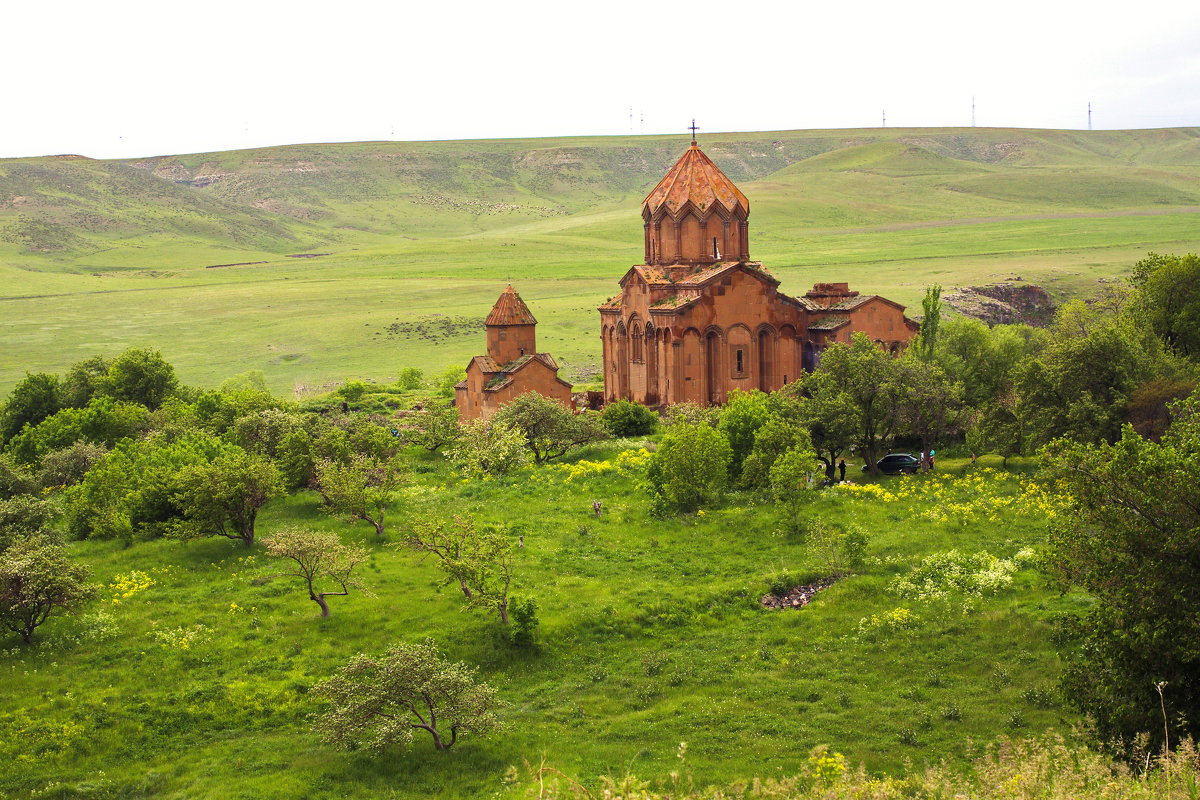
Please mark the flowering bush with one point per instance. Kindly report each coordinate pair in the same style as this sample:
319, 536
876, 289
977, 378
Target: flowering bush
124, 587
823, 766
966, 577
984, 494
627, 463
897, 620
183, 638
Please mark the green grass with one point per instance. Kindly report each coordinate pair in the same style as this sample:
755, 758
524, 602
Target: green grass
651, 635
96, 256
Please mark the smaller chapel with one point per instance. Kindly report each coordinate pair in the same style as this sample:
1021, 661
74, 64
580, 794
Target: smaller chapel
699, 318
512, 366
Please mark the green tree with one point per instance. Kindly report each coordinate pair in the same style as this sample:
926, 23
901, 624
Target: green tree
549, 428
410, 379
741, 417
793, 480
865, 376
38, 580
931, 403
353, 391
489, 448
131, 491
103, 421
280, 436
24, 517
1129, 536
998, 429
217, 410
320, 560
985, 359
83, 381
68, 466
1081, 383
32, 400
1167, 300
691, 414
778, 435
252, 380
380, 701
433, 428
478, 559
830, 416
690, 469
447, 379
362, 488
625, 419
15, 479
223, 497
927, 337
139, 375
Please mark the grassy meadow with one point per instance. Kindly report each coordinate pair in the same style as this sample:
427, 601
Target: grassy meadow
190, 678
97, 256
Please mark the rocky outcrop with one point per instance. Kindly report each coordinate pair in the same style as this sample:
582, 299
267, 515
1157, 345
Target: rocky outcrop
798, 596
1005, 303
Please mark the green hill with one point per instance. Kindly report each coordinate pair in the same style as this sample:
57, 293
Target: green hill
333, 243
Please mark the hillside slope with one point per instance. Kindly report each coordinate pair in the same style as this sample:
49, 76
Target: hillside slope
332, 244
300, 197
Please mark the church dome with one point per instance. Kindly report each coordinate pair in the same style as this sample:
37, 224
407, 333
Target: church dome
510, 309
695, 179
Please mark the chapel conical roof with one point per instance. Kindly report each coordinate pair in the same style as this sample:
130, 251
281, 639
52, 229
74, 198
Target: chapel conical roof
510, 309
697, 179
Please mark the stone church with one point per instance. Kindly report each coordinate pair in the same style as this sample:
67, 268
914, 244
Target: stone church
512, 366
699, 318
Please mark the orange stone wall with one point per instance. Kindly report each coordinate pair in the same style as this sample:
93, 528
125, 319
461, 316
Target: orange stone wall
689, 239
507, 343
740, 334
473, 402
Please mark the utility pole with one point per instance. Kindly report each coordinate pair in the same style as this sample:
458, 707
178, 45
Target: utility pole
972, 111
885, 118
1089, 115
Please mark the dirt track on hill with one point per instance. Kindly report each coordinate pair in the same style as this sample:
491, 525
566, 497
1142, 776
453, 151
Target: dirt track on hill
946, 223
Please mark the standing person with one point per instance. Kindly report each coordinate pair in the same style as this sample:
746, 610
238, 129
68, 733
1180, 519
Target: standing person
842, 470
931, 452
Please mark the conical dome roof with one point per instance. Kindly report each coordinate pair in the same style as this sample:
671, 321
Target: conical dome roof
510, 309
697, 179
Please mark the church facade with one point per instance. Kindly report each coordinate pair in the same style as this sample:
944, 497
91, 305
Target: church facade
699, 318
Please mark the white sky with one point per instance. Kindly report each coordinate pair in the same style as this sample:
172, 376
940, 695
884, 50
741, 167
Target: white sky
132, 78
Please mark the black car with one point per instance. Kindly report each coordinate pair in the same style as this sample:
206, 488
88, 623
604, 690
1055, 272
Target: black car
895, 463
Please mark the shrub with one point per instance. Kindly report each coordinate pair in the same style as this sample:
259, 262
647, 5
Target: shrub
410, 379
549, 428
353, 391
690, 469
488, 448
37, 580
522, 612
625, 418
782, 583
378, 701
